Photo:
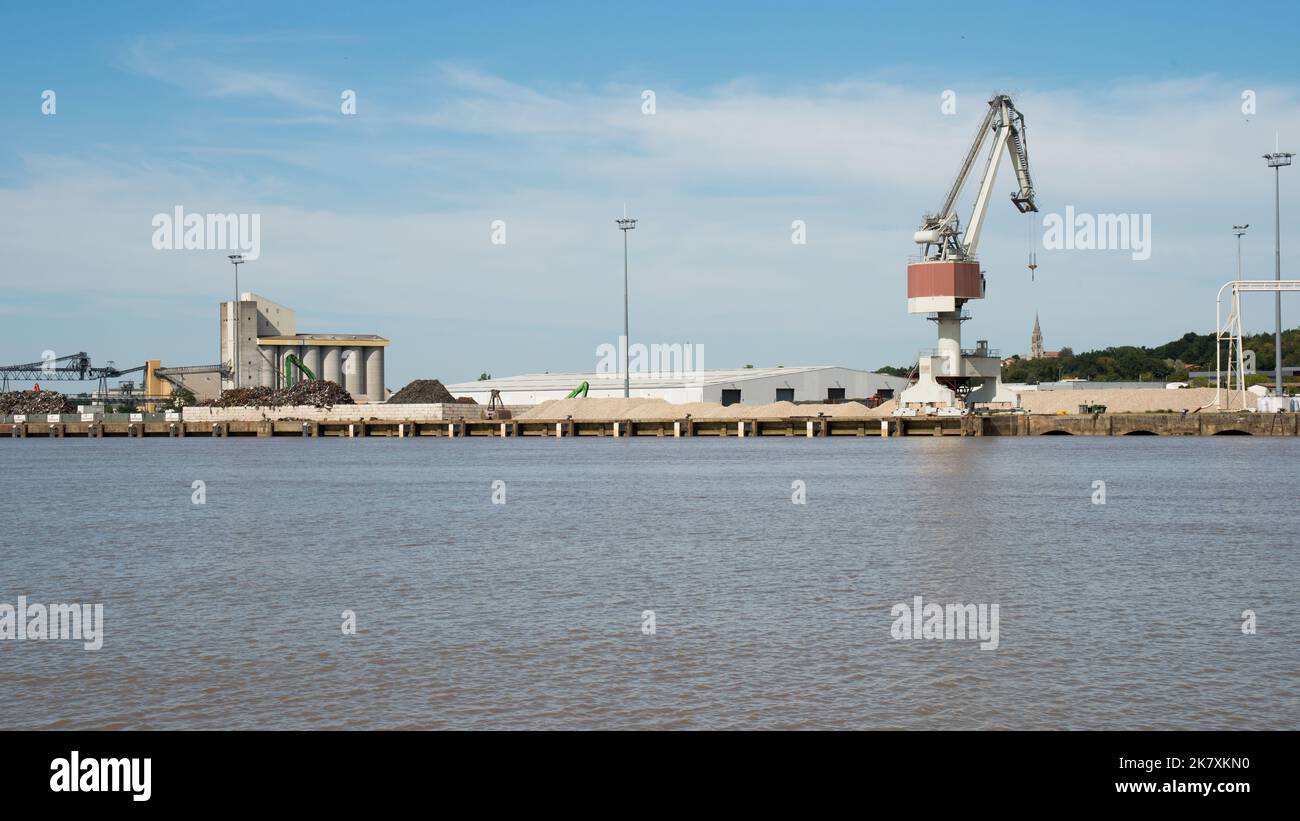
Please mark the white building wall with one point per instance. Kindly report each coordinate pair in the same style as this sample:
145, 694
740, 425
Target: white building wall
809, 385
273, 319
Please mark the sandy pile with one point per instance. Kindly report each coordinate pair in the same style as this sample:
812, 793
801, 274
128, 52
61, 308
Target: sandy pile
1131, 400
658, 409
1116, 401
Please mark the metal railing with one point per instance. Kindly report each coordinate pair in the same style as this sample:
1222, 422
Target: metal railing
988, 352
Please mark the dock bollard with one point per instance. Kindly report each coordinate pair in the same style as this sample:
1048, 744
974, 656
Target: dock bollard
884, 428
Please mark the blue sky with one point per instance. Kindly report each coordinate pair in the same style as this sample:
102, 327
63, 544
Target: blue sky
531, 114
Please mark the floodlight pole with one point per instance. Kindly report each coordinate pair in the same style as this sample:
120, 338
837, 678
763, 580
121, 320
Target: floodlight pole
238, 260
625, 225
1275, 161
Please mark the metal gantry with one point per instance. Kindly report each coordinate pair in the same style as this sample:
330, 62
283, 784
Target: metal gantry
1228, 329
71, 368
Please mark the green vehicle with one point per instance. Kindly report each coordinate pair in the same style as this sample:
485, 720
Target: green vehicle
290, 362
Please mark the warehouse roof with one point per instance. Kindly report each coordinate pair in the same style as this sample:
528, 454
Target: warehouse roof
323, 339
566, 381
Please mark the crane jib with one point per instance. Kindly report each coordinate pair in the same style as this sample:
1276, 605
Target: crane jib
943, 231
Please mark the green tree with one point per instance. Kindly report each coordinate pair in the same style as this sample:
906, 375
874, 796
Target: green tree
180, 398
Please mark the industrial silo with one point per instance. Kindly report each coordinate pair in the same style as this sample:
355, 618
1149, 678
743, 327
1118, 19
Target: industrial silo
354, 373
311, 358
331, 365
375, 374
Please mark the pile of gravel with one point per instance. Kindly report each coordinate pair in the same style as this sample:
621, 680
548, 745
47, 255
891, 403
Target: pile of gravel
35, 402
422, 392
319, 393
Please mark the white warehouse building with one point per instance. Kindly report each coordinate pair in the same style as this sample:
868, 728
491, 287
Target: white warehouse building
753, 386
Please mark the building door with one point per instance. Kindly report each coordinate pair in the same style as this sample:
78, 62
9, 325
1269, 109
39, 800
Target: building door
730, 396
785, 394
834, 393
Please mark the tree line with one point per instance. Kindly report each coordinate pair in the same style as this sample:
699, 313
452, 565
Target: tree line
1169, 362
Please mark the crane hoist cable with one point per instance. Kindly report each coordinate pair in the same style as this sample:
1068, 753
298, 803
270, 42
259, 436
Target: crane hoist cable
1033, 254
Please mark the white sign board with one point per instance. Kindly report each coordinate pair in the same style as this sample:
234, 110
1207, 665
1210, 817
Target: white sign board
19, 417
137, 417
52, 417
88, 417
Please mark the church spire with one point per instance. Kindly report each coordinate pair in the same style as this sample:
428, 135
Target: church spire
1036, 341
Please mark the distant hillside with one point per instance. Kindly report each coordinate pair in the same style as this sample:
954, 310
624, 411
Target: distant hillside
1168, 361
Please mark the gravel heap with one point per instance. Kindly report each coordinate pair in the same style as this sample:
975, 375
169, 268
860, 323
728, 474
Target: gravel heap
35, 402
422, 392
319, 393
1119, 400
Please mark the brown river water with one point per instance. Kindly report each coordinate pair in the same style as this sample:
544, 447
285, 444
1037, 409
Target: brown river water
767, 613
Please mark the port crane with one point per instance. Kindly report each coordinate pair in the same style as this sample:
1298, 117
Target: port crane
947, 273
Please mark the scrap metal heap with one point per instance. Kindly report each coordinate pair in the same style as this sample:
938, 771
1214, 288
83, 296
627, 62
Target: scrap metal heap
35, 402
318, 393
